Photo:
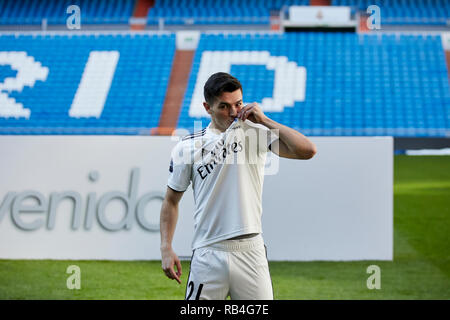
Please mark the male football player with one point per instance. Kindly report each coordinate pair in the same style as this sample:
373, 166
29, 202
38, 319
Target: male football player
225, 164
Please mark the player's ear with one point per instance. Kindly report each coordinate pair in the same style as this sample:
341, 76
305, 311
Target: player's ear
207, 107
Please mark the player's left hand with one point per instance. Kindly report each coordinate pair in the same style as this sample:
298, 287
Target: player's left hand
252, 112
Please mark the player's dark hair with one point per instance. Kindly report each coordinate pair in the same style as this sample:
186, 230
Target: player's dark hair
217, 84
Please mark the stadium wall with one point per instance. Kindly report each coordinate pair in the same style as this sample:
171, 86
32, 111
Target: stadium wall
99, 197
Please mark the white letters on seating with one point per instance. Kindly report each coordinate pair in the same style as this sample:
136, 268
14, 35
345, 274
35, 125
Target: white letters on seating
28, 72
289, 84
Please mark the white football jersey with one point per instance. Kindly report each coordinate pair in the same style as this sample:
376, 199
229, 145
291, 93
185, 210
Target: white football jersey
227, 174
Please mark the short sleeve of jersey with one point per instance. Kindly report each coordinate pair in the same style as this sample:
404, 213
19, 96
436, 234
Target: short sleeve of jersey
271, 138
180, 168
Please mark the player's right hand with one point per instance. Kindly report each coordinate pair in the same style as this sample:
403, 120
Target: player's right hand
169, 261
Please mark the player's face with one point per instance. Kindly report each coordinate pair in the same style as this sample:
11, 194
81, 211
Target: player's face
225, 109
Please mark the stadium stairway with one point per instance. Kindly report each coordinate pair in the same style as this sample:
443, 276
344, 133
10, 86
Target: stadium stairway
140, 13
320, 2
179, 78
363, 24
447, 60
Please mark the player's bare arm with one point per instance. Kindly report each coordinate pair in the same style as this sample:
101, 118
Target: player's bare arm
168, 221
291, 143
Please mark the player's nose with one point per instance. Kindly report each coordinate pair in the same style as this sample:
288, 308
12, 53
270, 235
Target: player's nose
233, 111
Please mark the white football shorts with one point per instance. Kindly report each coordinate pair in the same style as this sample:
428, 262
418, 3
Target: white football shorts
235, 268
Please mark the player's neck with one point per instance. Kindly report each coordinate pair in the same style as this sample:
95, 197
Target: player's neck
214, 128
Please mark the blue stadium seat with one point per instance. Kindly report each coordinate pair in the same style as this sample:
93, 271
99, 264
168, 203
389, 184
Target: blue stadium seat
355, 84
216, 12
404, 12
371, 85
18, 12
135, 97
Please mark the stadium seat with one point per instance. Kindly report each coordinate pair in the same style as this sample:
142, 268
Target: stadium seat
214, 12
355, 84
19, 12
404, 12
133, 85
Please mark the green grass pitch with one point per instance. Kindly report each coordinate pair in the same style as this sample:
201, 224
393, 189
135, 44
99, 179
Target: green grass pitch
420, 270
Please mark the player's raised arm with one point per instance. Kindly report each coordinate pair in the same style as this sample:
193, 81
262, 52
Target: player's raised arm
168, 222
291, 143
